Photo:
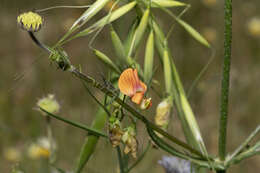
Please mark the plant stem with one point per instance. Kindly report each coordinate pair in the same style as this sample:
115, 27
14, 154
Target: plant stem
120, 160
225, 80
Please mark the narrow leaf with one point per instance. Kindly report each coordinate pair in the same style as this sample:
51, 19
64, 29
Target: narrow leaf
130, 36
141, 29
118, 46
90, 143
107, 19
89, 13
106, 60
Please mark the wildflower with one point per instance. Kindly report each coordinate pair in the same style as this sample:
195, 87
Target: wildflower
163, 114
129, 138
175, 165
49, 104
30, 21
115, 131
253, 27
130, 85
41, 149
12, 154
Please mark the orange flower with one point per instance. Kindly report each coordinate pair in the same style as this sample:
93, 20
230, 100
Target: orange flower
130, 85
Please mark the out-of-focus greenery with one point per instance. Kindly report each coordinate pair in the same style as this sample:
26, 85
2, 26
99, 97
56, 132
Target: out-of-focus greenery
20, 124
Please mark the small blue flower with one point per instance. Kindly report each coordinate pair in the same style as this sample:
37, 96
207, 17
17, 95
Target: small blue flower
175, 165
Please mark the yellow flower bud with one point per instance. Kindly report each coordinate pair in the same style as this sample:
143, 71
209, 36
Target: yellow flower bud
30, 21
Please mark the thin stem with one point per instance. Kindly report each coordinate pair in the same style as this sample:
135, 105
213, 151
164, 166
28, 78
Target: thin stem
225, 80
36, 41
78, 125
120, 160
245, 143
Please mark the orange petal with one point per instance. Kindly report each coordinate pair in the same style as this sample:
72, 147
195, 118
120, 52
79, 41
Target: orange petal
137, 98
127, 82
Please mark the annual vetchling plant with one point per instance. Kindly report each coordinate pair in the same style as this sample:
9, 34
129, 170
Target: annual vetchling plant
126, 90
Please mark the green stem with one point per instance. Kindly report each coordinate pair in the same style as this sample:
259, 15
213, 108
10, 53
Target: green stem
245, 143
120, 160
225, 80
78, 125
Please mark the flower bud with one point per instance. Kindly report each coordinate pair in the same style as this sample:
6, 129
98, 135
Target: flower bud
49, 104
129, 138
115, 131
146, 103
30, 21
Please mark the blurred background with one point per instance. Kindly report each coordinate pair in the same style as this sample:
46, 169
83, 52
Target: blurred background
26, 76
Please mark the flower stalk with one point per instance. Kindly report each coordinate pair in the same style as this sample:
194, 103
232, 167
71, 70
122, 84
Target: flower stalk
225, 80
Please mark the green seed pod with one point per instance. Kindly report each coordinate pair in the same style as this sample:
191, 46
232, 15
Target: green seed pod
167, 3
148, 61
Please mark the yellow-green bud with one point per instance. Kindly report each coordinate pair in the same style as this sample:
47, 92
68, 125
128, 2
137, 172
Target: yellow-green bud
30, 21
49, 104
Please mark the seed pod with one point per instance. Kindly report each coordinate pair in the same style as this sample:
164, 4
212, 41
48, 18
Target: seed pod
167, 3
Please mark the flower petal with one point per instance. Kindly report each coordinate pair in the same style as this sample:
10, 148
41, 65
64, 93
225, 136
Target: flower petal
127, 82
137, 98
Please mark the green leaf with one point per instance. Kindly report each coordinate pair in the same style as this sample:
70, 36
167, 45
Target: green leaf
90, 143
106, 61
89, 13
139, 32
195, 34
130, 36
107, 19
118, 46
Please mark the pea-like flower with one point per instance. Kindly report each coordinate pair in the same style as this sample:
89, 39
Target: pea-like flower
130, 85
30, 21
